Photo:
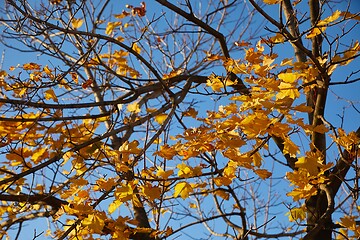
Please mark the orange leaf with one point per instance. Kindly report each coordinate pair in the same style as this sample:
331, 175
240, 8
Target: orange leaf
263, 173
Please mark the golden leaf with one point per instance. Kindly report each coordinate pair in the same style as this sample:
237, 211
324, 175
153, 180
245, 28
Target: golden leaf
183, 189
77, 22
296, 214
263, 173
164, 174
50, 94
320, 129
136, 48
31, 66
133, 107
113, 206
111, 26
272, 1
160, 118
151, 192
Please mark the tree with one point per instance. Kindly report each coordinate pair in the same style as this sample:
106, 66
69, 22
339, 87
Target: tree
136, 123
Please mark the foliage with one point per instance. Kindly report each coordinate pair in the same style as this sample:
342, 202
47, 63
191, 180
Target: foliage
137, 123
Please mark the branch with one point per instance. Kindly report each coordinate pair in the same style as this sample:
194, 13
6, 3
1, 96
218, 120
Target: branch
326, 217
49, 200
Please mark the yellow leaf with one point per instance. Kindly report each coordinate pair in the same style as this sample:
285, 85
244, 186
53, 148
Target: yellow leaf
50, 94
272, 1
160, 118
94, 222
311, 164
39, 155
164, 174
290, 147
133, 107
287, 90
3, 74
263, 173
183, 189
329, 19
288, 77
184, 170
111, 26
192, 205
124, 193
166, 152
315, 31
296, 214
215, 83
278, 38
15, 159
77, 23
113, 206
136, 48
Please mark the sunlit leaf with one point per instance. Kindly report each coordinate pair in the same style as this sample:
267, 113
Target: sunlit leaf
50, 94
160, 118
133, 107
77, 22
182, 189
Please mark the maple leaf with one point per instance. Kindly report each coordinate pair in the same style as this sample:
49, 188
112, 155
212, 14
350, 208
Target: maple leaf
164, 174
271, 1
320, 129
349, 222
50, 94
111, 26
287, 90
160, 118
166, 152
77, 23
151, 192
133, 107
290, 147
190, 112
311, 164
31, 66
297, 214
114, 205
222, 181
262, 173
124, 193
40, 154
95, 222
183, 189
136, 48
321, 25
222, 194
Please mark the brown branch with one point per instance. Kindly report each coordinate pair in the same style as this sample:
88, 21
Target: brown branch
240, 86
49, 200
325, 220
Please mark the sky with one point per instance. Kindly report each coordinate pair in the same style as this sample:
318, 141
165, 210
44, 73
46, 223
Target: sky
336, 105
